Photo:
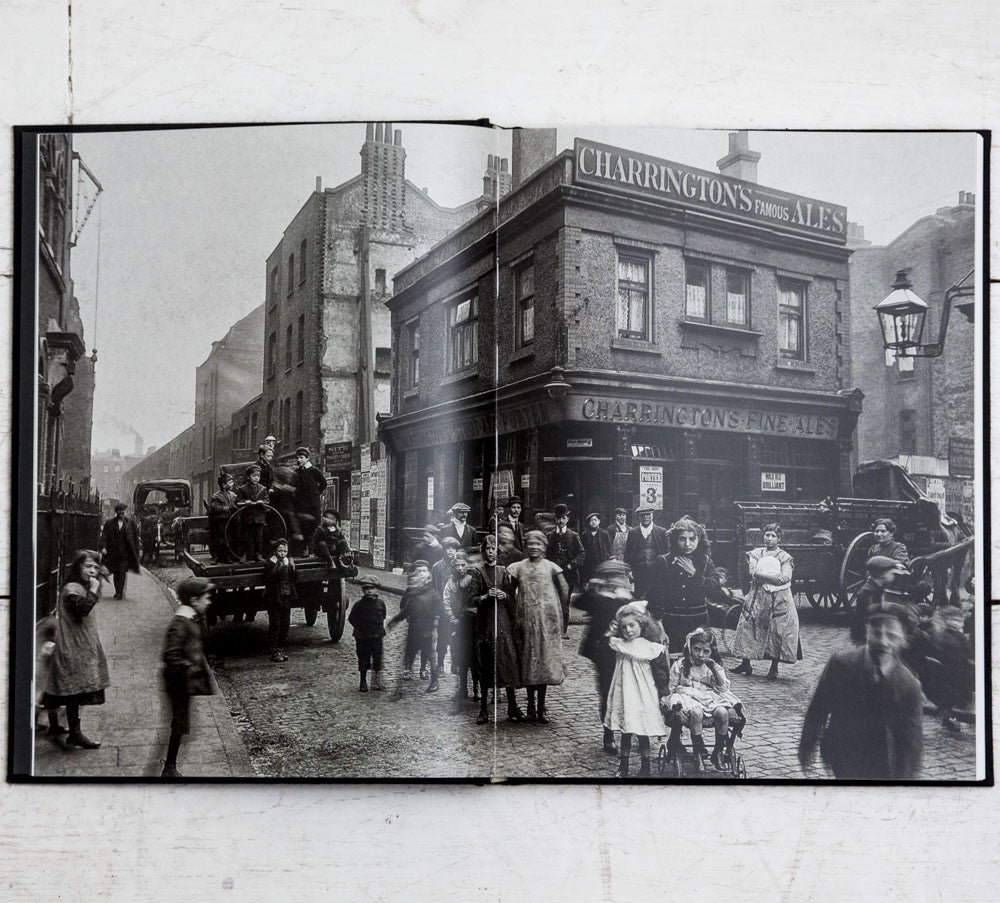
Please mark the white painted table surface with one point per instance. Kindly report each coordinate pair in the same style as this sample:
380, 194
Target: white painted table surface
778, 64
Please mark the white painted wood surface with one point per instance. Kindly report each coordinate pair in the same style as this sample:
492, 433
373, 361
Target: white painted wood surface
778, 64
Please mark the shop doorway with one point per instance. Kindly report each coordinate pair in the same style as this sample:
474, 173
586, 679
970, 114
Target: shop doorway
583, 485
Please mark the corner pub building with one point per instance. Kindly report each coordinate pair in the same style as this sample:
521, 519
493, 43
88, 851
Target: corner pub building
623, 329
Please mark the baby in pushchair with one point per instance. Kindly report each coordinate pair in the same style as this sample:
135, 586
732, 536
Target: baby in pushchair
700, 690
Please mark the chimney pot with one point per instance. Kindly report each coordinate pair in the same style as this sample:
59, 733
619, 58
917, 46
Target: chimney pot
319, 183
388, 133
741, 162
378, 132
370, 131
503, 164
397, 137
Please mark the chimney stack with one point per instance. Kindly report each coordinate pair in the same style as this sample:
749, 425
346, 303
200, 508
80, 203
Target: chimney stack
741, 162
319, 183
530, 149
496, 176
856, 236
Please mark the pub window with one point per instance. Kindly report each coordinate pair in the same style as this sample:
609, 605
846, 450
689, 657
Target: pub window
633, 297
413, 364
524, 446
291, 273
791, 320
505, 449
696, 291
288, 348
463, 334
302, 261
302, 338
524, 295
737, 297
299, 404
272, 354
272, 292
908, 432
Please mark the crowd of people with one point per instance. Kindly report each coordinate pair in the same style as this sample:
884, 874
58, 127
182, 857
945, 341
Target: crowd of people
499, 603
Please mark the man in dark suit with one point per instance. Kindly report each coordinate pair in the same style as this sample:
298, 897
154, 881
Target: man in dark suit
645, 543
867, 707
513, 520
460, 529
120, 548
566, 550
309, 487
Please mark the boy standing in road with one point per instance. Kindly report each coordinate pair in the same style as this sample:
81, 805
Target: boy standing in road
367, 617
420, 607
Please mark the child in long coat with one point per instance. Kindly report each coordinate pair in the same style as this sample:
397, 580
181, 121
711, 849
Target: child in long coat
280, 595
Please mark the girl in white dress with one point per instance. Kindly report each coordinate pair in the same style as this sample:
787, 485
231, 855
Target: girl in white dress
699, 688
639, 682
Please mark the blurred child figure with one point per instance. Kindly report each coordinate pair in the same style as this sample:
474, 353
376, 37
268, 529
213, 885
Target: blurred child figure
78, 674
441, 572
253, 496
881, 572
419, 607
329, 543
699, 688
279, 596
185, 668
941, 657
461, 613
638, 682
367, 617
429, 549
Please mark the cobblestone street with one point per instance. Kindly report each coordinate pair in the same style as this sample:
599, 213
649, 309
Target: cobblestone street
305, 717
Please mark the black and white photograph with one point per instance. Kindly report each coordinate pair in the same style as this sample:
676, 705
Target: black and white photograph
421, 450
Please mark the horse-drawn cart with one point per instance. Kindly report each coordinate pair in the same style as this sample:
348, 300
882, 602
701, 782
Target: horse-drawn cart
831, 540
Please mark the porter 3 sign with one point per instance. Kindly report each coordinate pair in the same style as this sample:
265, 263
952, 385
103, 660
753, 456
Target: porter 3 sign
606, 167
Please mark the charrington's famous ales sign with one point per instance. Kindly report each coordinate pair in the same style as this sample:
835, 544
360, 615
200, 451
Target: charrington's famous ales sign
604, 166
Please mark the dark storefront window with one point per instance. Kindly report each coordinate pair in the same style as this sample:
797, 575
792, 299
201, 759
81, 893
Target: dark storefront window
524, 289
463, 334
791, 320
696, 291
804, 468
633, 297
737, 297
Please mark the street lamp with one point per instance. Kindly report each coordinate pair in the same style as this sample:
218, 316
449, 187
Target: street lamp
557, 387
902, 313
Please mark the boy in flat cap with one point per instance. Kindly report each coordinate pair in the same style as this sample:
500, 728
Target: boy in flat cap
253, 497
596, 546
429, 549
185, 668
367, 617
866, 712
459, 528
618, 534
309, 487
566, 550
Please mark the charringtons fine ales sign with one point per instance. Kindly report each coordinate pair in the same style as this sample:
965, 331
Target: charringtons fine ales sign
604, 166
706, 417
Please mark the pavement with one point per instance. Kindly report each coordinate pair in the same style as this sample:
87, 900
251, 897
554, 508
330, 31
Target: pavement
133, 725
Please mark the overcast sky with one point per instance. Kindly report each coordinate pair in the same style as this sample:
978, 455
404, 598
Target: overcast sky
188, 217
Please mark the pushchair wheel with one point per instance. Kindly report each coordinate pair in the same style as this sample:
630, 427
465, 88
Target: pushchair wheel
739, 769
661, 758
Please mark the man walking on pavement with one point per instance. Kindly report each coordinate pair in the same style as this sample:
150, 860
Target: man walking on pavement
460, 529
120, 547
566, 550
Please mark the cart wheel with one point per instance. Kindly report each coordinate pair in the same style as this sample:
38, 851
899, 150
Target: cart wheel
311, 611
852, 571
661, 758
827, 599
336, 613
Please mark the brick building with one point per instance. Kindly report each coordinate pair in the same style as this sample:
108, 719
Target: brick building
327, 338
175, 458
111, 475
65, 371
223, 383
660, 333
919, 409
